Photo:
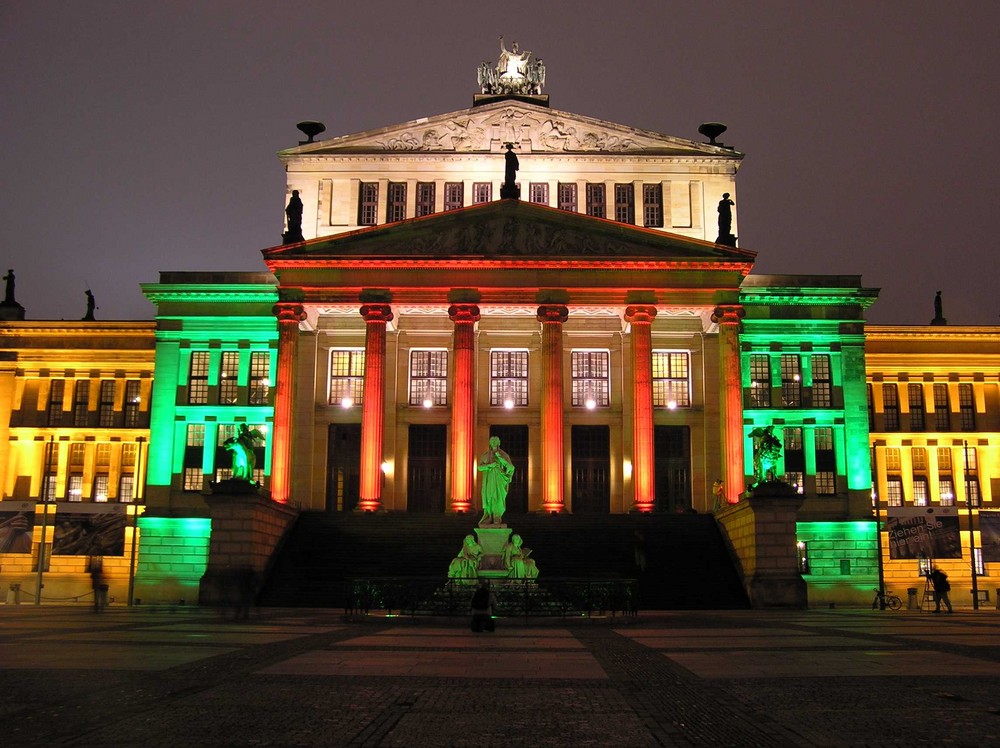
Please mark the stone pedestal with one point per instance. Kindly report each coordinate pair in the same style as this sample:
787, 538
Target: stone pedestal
492, 540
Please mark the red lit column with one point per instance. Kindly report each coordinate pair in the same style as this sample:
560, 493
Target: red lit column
377, 316
552, 317
731, 397
289, 315
465, 317
641, 319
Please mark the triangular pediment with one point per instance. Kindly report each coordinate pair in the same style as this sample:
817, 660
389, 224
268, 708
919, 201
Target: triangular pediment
511, 229
534, 128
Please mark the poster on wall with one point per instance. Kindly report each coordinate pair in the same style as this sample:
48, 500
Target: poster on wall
17, 520
923, 532
89, 530
989, 536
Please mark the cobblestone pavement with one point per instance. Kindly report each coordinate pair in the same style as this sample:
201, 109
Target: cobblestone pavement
188, 676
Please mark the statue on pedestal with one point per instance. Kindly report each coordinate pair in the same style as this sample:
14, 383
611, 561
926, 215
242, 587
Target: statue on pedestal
497, 469
939, 318
514, 73
293, 216
91, 306
509, 188
766, 451
242, 445
8, 296
726, 221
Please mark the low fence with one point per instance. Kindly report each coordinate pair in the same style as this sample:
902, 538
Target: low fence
515, 597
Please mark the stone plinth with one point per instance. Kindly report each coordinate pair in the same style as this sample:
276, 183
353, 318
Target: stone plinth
760, 532
492, 540
246, 528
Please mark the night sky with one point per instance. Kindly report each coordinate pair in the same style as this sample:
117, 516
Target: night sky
138, 136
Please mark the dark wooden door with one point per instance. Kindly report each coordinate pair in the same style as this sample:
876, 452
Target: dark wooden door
591, 455
343, 467
672, 458
514, 441
427, 463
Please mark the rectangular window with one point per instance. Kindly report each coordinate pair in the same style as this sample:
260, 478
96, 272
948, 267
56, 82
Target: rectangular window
590, 379
918, 456
128, 454
822, 381
55, 407
50, 488
367, 203
978, 565
826, 483
967, 407
946, 490
894, 490
760, 380
132, 402
942, 408
198, 378
103, 458
193, 457
106, 404
77, 454
893, 461
792, 438
538, 192
509, 379
81, 399
567, 197
454, 195
921, 494
74, 488
671, 380
347, 377
652, 205
803, 553
229, 373
826, 464
260, 377
126, 488
395, 204
625, 203
915, 396
972, 491
425, 198
101, 487
596, 201
970, 458
795, 478
795, 456
428, 378
791, 381
482, 192
944, 459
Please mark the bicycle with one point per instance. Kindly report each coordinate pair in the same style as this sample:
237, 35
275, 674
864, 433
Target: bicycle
886, 600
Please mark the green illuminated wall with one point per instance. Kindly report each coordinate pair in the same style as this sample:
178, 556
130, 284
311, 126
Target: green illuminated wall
831, 543
173, 555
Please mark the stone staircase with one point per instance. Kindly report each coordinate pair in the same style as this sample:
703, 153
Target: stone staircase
686, 563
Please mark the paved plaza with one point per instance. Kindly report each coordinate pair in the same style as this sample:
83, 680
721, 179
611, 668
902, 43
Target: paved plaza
188, 676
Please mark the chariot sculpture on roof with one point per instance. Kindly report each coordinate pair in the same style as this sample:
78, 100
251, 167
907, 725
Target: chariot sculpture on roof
514, 73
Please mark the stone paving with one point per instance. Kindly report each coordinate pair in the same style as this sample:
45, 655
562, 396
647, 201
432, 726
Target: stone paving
190, 677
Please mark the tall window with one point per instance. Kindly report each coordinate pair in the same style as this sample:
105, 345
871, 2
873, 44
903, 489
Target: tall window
596, 201
538, 192
671, 379
894, 490
967, 407
890, 406
826, 464
132, 403
795, 456
106, 404
425, 198
509, 378
590, 371
482, 192
918, 457
55, 407
918, 461
229, 373
198, 378
652, 205
347, 377
946, 490
822, 386
126, 488
567, 196
454, 195
101, 487
760, 380
395, 204
81, 399
74, 487
972, 490
893, 461
942, 408
920, 492
260, 377
428, 378
367, 203
194, 450
51, 468
915, 396
871, 407
625, 203
791, 381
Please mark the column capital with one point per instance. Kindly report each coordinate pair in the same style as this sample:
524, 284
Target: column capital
377, 312
467, 313
289, 312
728, 314
640, 313
552, 313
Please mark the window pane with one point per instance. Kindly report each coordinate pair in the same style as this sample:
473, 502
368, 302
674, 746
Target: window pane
260, 377
671, 379
229, 372
347, 377
395, 207
624, 203
567, 197
509, 378
198, 378
760, 381
590, 378
428, 377
791, 381
425, 198
538, 192
482, 192
652, 205
596, 200
454, 195
915, 395
367, 203
132, 403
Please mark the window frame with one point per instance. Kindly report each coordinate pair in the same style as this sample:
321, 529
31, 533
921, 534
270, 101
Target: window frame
353, 377
583, 381
229, 378
367, 203
596, 200
625, 202
426, 194
428, 377
395, 202
509, 377
667, 385
197, 384
652, 205
567, 196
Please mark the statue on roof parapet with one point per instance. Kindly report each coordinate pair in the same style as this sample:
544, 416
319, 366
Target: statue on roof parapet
509, 188
9, 308
726, 221
91, 306
939, 318
514, 73
293, 214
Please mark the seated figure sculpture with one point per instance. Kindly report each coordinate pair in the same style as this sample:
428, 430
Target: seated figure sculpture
515, 558
464, 568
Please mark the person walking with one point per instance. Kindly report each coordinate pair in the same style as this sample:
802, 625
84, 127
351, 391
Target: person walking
942, 586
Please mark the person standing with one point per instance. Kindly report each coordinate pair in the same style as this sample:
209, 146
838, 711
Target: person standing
942, 587
482, 604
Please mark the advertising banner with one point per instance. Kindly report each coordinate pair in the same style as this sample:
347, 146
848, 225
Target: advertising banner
17, 519
923, 532
89, 529
989, 535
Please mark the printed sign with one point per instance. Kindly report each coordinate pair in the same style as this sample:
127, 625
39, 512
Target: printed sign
923, 532
17, 519
89, 529
989, 535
